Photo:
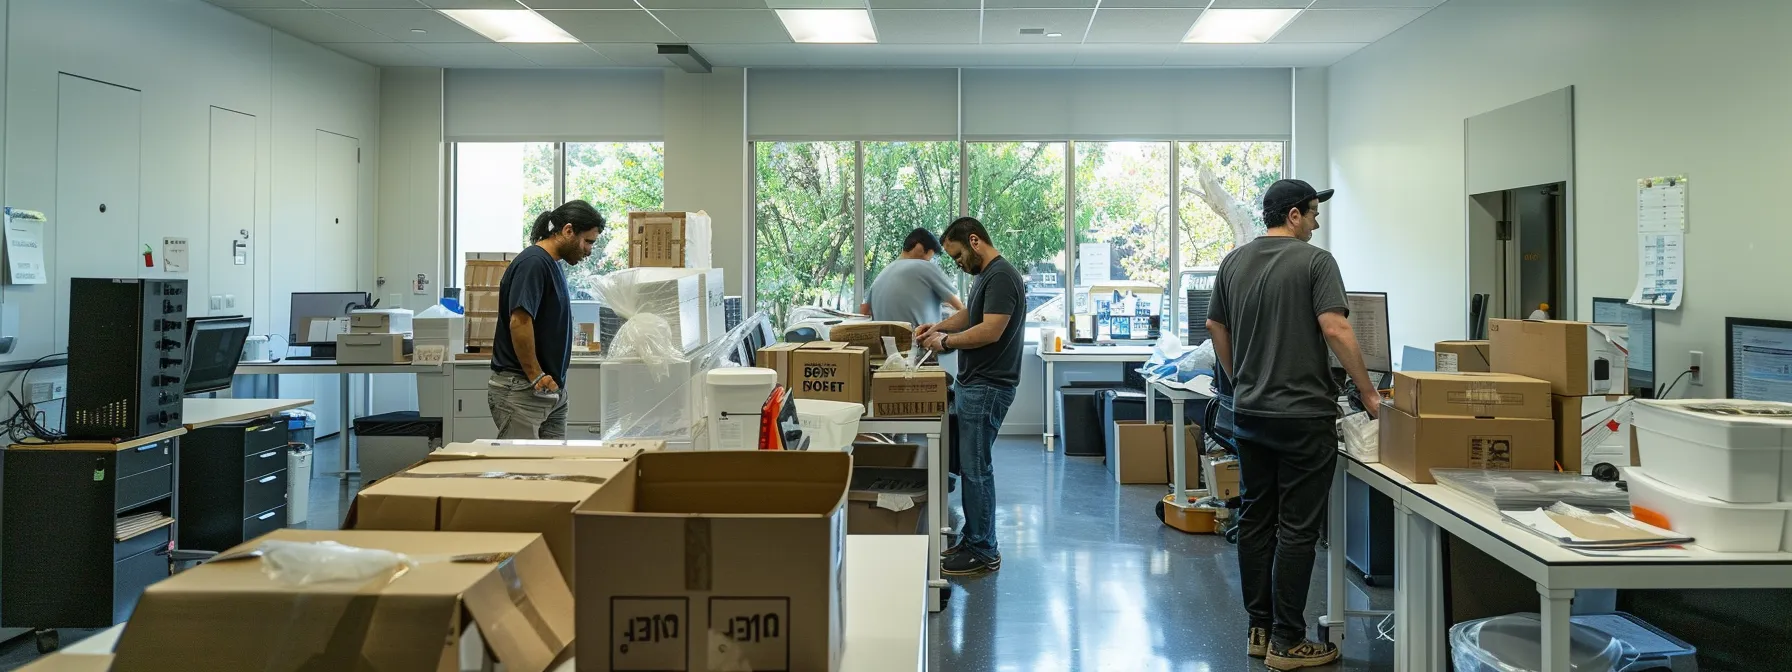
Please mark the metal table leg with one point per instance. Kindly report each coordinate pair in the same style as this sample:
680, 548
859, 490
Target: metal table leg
1331, 625
1555, 605
1051, 426
938, 463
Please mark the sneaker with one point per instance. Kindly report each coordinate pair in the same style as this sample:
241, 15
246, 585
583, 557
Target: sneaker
1259, 643
953, 550
1303, 654
966, 563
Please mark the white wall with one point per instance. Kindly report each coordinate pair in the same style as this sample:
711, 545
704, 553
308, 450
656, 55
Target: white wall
186, 56
1660, 88
707, 161
1310, 157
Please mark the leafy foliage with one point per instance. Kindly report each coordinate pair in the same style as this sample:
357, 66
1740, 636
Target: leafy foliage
615, 177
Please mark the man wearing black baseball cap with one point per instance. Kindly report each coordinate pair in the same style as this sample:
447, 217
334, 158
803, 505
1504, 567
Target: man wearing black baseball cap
1278, 304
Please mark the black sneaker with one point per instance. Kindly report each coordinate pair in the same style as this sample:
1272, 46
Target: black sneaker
966, 563
954, 550
1259, 643
1300, 655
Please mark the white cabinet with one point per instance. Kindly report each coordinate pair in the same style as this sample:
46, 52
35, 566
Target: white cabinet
457, 394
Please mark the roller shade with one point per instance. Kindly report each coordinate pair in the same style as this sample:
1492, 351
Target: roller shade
1128, 104
554, 105
811, 104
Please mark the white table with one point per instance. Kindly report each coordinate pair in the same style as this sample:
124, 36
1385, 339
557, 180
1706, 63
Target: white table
937, 431
1085, 354
1424, 512
1178, 422
886, 617
329, 367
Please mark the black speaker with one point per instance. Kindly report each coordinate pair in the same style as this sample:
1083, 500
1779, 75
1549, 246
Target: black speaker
126, 357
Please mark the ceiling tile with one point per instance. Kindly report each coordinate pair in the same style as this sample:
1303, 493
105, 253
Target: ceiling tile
560, 55
814, 4
615, 25
1374, 4
1141, 25
926, 4
1154, 4
757, 55
1260, 4
383, 53
1346, 25
459, 55
1294, 55
366, 4
703, 4
313, 25
733, 26
926, 26
398, 24
1002, 26
261, 4
539, 5
1038, 4
1123, 55
474, 4
634, 54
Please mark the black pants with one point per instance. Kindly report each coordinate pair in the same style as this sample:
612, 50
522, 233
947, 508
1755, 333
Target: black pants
1286, 478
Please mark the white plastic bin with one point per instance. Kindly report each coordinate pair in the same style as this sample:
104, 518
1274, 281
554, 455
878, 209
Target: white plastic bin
1713, 524
1724, 448
733, 399
830, 425
298, 484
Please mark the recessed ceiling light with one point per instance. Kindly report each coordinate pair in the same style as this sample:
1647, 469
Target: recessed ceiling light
419, 30
829, 26
1054, 34
1239, 26
510, 25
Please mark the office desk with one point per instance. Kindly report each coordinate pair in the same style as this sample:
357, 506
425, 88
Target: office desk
1178, 433
207, 412
886, 618
937, 431
329, 367
1086, 354
1424, 512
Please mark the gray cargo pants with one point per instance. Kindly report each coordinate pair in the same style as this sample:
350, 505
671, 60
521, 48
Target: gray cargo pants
520, 414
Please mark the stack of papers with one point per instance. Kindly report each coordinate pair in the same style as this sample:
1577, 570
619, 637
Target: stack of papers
1578, 528
133, 525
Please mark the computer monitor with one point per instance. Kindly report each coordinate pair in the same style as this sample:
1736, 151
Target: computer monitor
311, 306
1369, 320
1641, 322
214, 346
1760, 356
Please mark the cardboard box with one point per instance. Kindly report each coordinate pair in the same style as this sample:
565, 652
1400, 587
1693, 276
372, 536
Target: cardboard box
830, 371
886, 500
63, 661
721, 546
491, 495
1144, 453
553, 449
777, 358
1221, 476
1591, 431
1471, 395
1463, 357
1414, 446
229, 615
870, 336
380, 321
919, 394
880, 454
372, 349
1577, 358
668, 239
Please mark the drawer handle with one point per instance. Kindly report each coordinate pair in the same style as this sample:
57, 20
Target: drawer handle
152, 446
268, 479
265, 516
268, 454
264, 428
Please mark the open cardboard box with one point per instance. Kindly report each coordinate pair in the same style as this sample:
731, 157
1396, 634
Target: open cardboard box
616, 449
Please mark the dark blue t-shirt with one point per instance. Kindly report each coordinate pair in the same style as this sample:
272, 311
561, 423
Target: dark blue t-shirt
534, 284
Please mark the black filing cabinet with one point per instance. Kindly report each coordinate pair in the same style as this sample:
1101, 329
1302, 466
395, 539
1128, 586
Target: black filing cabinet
62, 561
232, 483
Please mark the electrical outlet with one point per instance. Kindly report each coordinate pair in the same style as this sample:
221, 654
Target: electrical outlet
1696, 362
40, 392
230, 301
217, 301
59, 388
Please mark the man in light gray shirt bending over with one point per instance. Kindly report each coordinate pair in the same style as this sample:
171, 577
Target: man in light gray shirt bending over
912, 287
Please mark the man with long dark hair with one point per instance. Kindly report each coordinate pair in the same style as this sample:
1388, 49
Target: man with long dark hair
533, 346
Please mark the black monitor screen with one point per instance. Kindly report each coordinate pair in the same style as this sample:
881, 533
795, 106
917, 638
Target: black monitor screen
214, 345
1760, 354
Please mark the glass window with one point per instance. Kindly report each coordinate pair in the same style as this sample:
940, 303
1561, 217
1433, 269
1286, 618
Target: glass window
908, 185
616, 178
1122, 234
1221, 205
499, 188
1017, 191
803, 216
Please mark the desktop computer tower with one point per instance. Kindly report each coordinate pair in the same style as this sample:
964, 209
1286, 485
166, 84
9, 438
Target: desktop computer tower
126, 357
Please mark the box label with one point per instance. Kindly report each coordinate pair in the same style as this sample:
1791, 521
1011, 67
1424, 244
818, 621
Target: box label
749, 634
1448, 362
822, 378
649, 634
1490, 452
1484, 397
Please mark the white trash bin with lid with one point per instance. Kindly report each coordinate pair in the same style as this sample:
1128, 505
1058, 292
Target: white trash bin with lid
830, 425
733, 399
298, 473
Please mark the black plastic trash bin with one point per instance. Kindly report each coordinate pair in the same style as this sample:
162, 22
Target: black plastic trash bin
389, 442
1079, 417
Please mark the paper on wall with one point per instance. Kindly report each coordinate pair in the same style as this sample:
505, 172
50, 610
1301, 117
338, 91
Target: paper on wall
174, 255
1660, 271
1661, 204
24, 247
1096, 260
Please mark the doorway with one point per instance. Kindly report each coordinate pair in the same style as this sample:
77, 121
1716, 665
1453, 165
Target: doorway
1518, 261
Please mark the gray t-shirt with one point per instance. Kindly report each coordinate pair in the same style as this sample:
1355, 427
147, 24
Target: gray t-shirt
1269, 294
998, 290
909, 290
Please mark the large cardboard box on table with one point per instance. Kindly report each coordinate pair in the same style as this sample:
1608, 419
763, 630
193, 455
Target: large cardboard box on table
669, 239
886, 500
730, 560
1591, 431
920, 393
870, 336
489, 495
1463, 356
1471, 395
1414, 446
1577, 358
552, 449
777, 358
231, 615
829, 370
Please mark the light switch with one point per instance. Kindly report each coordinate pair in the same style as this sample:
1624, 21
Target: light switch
217, 302
230, 301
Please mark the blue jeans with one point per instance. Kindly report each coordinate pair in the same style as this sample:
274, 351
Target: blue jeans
980, 410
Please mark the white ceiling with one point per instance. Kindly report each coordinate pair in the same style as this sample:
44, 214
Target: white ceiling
910, 33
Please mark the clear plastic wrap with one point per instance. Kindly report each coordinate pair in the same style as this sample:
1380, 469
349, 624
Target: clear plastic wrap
1362, 436
1514, 643
305, 563
644, 401
648, 302
1505, 490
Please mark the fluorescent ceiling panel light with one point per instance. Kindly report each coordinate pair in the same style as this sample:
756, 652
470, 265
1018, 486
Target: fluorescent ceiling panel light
515, 26
1239, 26
829, 26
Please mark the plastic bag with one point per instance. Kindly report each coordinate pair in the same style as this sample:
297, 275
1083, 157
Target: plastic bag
1165, 349
646, 402
305, 563
645, 334
1362, 436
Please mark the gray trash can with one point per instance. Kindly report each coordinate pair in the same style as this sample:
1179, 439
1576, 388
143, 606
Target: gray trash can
389, 442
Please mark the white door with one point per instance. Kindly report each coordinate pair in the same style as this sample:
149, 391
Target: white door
95, 224
230, 218
338, 208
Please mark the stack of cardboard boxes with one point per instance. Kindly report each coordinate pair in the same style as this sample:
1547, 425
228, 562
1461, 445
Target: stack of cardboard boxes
1465, 421
838, 371
479, 296
1143, 453
1586, 366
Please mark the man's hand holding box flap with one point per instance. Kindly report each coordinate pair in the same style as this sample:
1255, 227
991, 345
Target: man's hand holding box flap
726, 560
231, 615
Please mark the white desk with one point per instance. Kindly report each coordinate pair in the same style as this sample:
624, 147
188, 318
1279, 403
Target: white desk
939, 439
199, 413
329, 367
1424, 512
886, 618
1087, 354
1178, 439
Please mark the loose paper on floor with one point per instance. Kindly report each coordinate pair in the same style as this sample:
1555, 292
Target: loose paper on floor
1661, 242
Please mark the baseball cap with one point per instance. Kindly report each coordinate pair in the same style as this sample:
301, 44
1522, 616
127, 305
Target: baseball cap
1285, 194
